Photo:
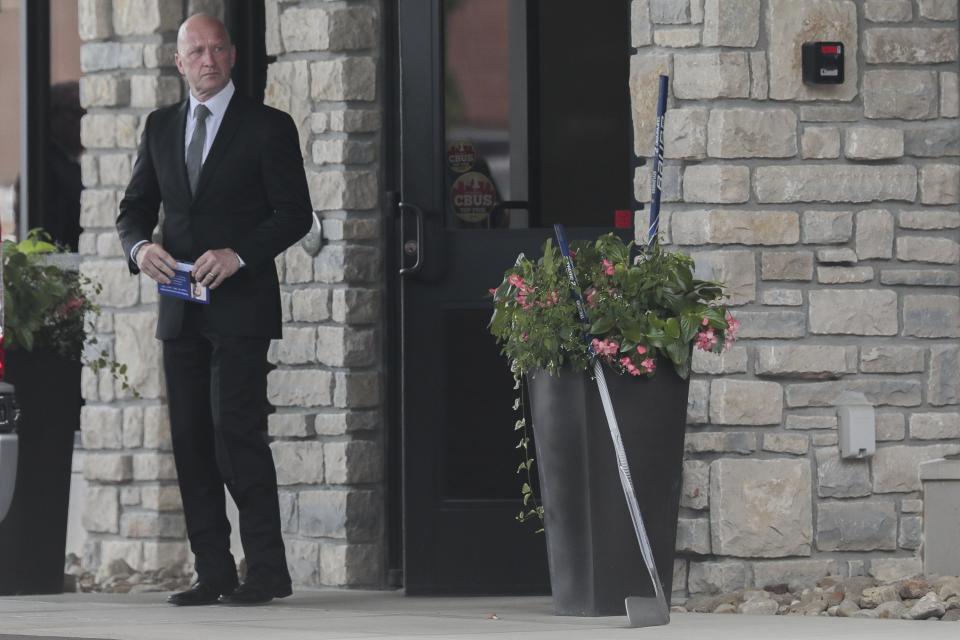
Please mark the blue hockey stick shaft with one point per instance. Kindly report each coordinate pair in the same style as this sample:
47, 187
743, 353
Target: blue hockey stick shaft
656, 177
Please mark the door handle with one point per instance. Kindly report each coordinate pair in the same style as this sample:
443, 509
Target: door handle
417, 245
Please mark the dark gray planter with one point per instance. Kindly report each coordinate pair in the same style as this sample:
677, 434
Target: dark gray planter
594, 557
34, 533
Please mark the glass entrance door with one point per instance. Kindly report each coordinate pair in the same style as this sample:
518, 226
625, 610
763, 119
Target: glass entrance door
513, 115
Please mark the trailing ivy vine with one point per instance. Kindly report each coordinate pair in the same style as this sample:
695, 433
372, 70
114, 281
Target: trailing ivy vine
531, 504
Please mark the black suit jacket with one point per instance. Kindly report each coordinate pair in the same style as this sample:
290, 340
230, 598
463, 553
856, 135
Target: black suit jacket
252, 197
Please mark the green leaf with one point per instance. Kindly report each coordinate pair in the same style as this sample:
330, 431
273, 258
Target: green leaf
689, 326
37, 243
672, 328
632, 332
677, 352
548, 264
601, 326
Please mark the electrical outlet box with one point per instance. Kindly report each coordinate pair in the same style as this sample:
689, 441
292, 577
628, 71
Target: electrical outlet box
822, 62
857, 426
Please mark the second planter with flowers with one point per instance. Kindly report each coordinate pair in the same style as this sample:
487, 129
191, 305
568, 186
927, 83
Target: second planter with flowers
647, 314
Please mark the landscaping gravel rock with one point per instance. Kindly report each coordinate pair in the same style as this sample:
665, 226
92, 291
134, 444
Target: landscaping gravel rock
119, 577
846, 608
912, 589
875, 596
892, 610
929, 606
915, 598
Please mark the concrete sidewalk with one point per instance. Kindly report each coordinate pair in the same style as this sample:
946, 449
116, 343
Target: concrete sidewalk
338, 614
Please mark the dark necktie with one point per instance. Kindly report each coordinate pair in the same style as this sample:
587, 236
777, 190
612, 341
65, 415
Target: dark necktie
195, 150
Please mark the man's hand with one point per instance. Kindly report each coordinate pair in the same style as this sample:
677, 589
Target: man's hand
215, 266
155, 262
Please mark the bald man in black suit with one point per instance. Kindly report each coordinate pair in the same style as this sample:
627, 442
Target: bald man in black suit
230, 177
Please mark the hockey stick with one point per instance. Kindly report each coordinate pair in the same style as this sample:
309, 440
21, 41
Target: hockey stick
641, 611
656, 175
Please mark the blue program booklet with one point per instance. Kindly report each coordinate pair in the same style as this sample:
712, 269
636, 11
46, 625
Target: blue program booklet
181, 286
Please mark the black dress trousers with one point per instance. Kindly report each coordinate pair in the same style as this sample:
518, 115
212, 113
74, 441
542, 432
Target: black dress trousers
216, 388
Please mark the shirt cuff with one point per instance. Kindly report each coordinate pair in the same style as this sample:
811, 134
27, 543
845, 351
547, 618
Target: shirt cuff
135, 249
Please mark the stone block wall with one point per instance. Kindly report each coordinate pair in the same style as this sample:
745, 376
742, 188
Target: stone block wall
326, 385
131, 508
831, 212
327, 435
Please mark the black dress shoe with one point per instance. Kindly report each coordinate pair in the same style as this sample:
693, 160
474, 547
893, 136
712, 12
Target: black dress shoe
201, 593
254, 592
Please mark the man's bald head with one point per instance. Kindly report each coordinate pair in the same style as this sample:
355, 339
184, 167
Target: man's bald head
201, 21
205, 55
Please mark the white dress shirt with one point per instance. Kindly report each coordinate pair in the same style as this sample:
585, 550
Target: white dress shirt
218, 108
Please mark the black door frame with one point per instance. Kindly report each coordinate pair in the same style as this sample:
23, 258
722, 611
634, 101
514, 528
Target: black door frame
391, 354
422, 93
34, 109
416, 102
246, 22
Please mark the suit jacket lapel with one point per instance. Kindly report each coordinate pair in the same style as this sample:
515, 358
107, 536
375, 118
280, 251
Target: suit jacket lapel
229, 126
180, 160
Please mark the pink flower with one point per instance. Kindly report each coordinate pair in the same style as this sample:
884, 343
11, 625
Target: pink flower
733, 325
72, 305
591, 295
706, 340
605, 347
525, 337
607, 267
641, 349
515, 280
492, 291
730, 335
705, 322
649, 364
629, 366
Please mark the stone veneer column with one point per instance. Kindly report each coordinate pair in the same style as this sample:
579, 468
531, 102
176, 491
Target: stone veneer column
132, 505
326, 387
832, 213
327, 384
